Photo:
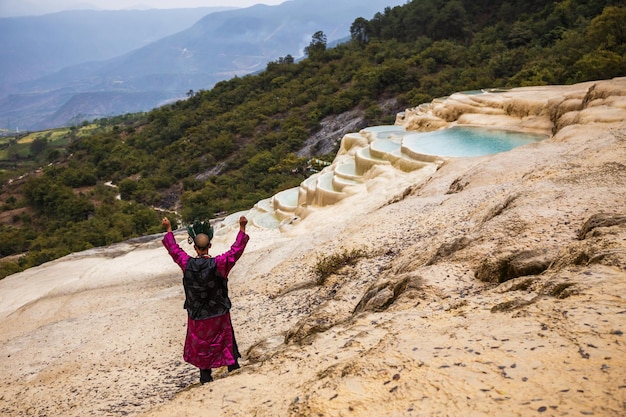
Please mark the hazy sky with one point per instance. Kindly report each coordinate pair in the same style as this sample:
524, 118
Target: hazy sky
37, 7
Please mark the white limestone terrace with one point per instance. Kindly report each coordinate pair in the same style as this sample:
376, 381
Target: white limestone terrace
358, 154
375, 150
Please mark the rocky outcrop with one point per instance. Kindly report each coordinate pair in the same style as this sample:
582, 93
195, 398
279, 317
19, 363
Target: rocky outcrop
546, 109
599, 221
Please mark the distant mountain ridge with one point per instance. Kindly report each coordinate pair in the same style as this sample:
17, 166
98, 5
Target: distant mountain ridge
220, 45
36, 49
36, 46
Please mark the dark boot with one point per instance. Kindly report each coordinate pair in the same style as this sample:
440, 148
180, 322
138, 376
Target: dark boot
205, 376
233, 366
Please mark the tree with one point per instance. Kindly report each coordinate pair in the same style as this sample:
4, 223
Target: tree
287, 59
56, 201
450, 22
37, 146
127, 188
608, 30
317, 47
359, 31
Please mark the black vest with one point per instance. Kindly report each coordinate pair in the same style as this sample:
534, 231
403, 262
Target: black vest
206, 292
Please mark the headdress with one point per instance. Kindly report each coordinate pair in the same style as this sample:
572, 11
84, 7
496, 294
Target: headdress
198, 227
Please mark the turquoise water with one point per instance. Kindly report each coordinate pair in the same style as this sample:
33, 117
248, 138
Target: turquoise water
288, 197
384, 128
468, 141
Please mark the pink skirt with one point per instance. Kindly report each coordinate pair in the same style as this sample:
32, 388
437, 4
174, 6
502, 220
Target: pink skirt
209, 342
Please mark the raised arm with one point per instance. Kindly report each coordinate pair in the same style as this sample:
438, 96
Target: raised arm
227, 260
176, 252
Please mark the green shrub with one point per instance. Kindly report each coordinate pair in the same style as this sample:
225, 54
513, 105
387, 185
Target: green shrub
8, 268
328, 265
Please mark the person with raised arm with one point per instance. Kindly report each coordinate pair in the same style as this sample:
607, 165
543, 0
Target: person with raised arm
210, 341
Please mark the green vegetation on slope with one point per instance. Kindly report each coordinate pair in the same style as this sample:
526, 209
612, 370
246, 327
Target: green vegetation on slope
224, 149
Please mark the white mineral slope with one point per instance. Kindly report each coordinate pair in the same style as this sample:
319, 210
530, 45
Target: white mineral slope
493, 287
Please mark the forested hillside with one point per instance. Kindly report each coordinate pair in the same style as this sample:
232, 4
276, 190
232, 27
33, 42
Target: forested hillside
224, 149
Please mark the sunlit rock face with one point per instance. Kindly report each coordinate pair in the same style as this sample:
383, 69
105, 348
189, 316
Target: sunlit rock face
543, 110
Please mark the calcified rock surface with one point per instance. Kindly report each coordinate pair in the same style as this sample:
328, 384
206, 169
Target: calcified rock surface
495, 286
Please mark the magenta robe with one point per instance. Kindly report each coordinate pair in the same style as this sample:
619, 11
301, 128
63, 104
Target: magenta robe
210, 342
